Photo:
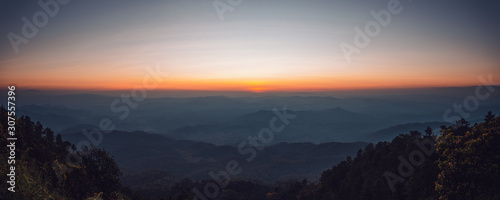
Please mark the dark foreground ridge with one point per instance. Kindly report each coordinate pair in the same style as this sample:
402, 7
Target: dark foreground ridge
461, 163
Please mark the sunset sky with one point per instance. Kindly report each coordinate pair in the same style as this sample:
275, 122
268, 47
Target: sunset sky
262, 45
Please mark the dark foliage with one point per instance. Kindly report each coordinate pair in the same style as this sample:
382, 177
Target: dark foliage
44, 172
464, 165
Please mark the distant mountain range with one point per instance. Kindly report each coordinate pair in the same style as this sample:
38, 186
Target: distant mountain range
390, 133
224, 120
139, 152
308, 126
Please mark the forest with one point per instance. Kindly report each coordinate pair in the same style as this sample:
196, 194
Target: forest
460, 162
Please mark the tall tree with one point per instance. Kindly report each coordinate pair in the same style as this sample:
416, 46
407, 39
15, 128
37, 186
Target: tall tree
470, 161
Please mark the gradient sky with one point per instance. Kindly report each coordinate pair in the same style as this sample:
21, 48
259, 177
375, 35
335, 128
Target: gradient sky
263, 45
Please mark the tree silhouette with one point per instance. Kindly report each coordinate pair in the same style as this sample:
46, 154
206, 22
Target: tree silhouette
469, 161
42, 171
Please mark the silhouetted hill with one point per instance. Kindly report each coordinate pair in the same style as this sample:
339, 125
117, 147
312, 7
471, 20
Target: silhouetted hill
57, 117
43, 166
138, 151
388, 134
78, 128
188, 118
312, 126
459, 164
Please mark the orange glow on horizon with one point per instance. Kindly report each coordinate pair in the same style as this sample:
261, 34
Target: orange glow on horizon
311, 84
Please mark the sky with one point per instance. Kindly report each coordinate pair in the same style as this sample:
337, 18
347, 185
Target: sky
258, 46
